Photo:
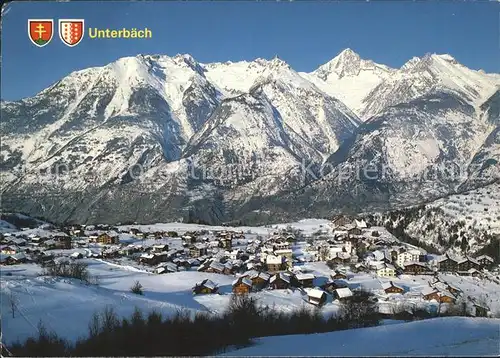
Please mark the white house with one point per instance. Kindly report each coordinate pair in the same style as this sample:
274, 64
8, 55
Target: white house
385, 270
407, 256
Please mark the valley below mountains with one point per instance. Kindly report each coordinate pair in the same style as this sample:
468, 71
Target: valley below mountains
154, 138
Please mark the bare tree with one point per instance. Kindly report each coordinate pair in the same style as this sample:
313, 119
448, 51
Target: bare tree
13, 303
324, 252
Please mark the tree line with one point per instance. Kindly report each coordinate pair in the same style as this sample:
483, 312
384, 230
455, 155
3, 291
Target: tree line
202, 334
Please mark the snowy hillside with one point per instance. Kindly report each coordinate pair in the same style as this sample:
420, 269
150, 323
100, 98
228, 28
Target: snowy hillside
51, 299
440, 336
475, 213
465, 222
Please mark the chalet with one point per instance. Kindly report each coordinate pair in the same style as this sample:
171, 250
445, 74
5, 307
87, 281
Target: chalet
359, 267
234, 254
281, 245
378, 255
480, 310
254, 265
166, 267
355, 231
198, 250
105, 239
447, 264
18, 258
205, 287
471, 272
430, 293
342, 294
64, 243
446, 297
337, 260
342, 220
6, 259
316, 296
331, 286
339, 276
9, 250
275, 263
305, 279
193, 262
77, 232
259, 279
467, 264
390, 287
110, 253
149, 259
454, 290
361, 224
485, 261
134, 231
226, 242
159, 248
188, 239
417, 268
280, 281
18, 242
129, 250
242, 286
407, 256
228, 268
36, 240
215, 267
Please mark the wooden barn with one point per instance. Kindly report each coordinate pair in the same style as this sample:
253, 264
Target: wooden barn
342, 294
242, 286
305, 279
331, 286
415, 268
339, 276
316, 297
390, 287
259, 279
205, 287
280, 281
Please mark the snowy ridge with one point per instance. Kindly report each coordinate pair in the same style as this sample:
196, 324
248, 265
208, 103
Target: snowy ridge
349, 78
439, 336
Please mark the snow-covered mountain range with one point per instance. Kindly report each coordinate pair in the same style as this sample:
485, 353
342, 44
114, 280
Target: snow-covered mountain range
158, 138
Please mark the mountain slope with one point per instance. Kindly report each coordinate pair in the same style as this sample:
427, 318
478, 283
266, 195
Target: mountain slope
135, 139
369, 88
438, 336
305, 109
431, 73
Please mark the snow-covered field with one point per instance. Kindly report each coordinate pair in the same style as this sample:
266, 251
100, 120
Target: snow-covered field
449, 336
54, 300
66, 306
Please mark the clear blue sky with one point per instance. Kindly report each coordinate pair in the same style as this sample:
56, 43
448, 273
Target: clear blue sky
305, 35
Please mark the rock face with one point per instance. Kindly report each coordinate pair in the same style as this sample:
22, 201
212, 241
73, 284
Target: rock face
158, 138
